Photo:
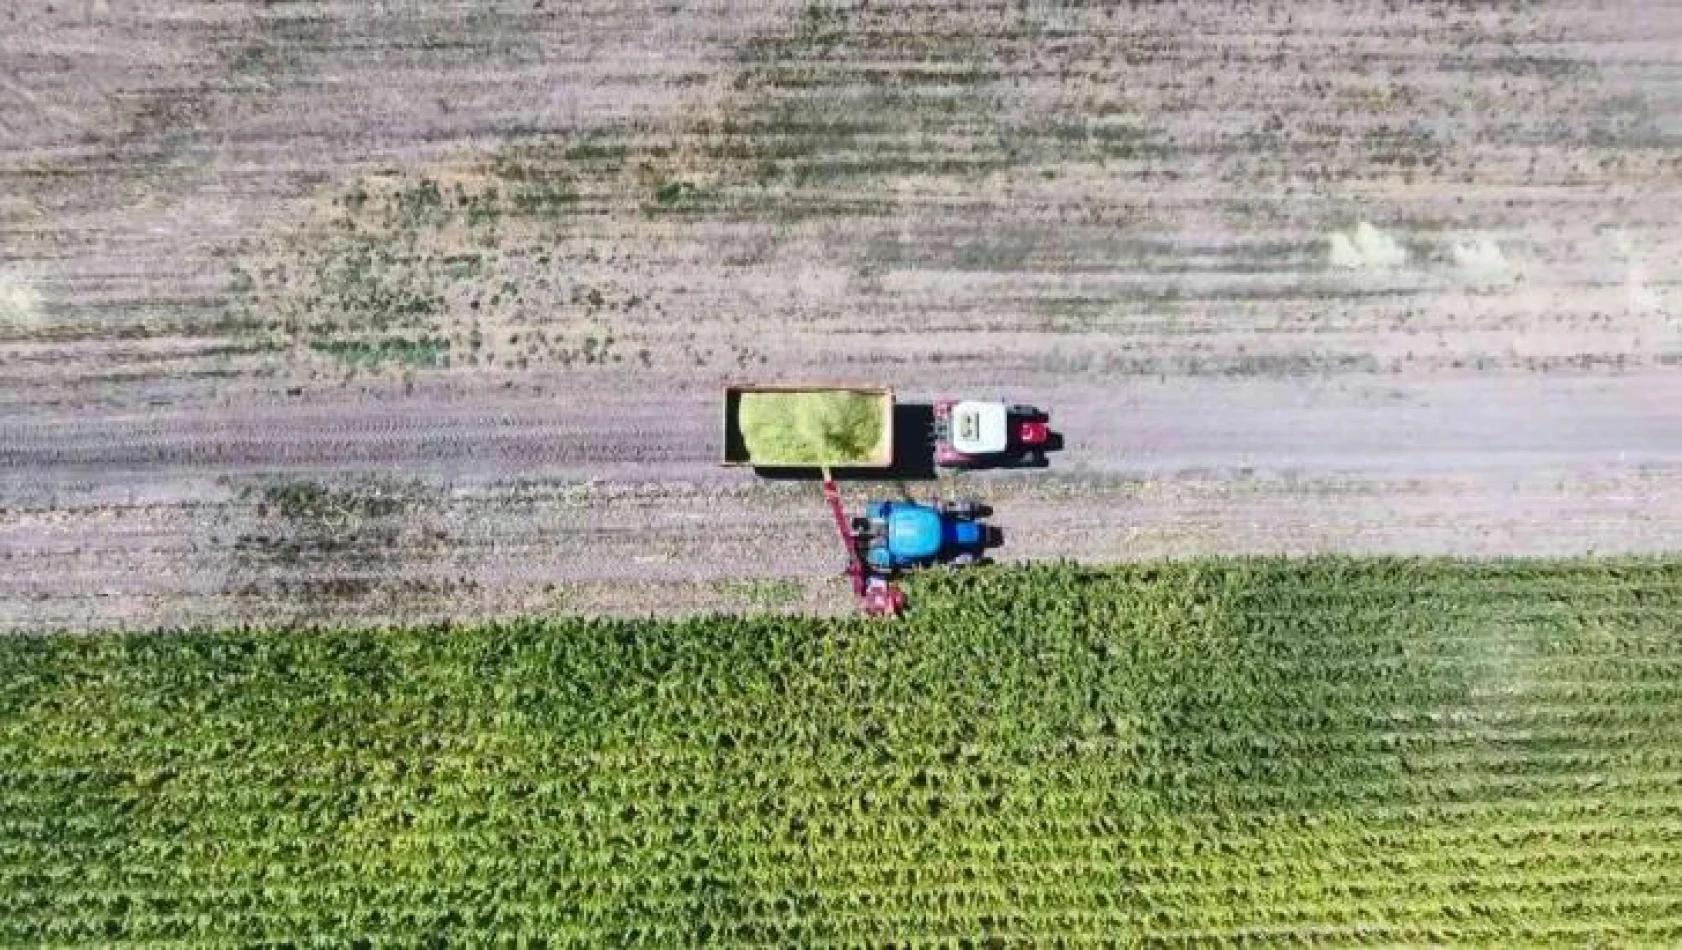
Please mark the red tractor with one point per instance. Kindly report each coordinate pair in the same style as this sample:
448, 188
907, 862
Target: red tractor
975, 434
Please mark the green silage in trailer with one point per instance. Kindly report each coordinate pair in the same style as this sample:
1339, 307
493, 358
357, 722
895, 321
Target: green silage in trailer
1256, 751
813, 428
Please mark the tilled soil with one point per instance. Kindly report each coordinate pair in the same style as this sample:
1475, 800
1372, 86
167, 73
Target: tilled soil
367, 313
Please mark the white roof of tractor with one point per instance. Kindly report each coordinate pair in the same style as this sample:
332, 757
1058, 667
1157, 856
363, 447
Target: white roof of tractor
980, 428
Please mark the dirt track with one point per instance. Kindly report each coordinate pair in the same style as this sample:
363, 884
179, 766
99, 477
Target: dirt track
332, 312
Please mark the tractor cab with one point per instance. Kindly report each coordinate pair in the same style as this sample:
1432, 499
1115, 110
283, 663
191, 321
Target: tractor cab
974, 434
980, 428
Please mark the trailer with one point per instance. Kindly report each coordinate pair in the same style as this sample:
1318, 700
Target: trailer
869, 408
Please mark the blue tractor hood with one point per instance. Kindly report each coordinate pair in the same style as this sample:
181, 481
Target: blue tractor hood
915, 532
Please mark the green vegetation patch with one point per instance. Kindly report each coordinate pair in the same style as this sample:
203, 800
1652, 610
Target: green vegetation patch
817, 428
425, 351
1249, 752
759, 594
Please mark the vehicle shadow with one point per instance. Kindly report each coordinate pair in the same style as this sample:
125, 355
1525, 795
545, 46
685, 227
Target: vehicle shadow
913, 453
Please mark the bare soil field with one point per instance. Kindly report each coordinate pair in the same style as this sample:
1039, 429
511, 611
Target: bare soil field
380, 311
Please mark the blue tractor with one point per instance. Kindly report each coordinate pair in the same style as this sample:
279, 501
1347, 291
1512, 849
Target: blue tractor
897, 535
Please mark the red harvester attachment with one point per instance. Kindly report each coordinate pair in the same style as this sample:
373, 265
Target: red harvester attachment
877, 595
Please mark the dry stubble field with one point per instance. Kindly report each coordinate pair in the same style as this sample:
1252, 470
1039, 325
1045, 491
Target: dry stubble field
358, 311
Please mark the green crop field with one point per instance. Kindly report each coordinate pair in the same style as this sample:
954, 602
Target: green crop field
1242, 752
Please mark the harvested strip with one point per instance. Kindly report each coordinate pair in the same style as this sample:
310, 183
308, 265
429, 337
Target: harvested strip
817, 428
